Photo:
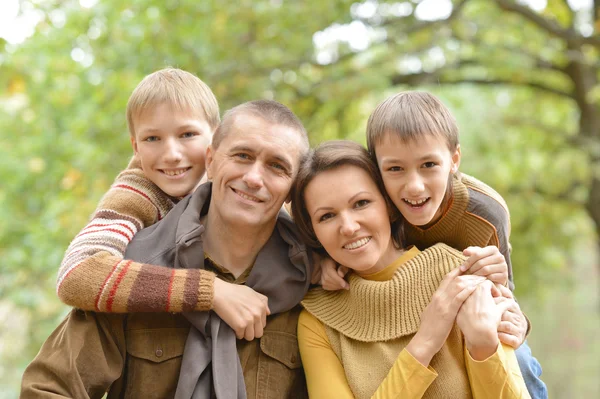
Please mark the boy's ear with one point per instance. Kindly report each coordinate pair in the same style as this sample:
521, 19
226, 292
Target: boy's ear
456, 159
133, 144
208, 161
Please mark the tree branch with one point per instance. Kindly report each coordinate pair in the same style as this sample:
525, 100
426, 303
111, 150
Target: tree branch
436, 77
548, 25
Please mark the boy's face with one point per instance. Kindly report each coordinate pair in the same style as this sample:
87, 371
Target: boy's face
416, 175
171, 145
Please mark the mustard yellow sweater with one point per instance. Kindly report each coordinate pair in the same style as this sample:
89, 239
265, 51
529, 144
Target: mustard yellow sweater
353, 342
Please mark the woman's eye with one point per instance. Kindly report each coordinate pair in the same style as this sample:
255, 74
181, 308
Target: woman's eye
325, 217
394, 169
361, 203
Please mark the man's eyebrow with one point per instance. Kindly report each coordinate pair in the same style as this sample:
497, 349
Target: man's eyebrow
241, 147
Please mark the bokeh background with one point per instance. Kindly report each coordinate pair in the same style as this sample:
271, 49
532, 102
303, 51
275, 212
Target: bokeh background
522, 78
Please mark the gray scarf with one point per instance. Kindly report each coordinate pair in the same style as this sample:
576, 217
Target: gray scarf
281, 272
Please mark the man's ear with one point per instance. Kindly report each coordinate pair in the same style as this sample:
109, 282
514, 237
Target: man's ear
456, 159
208, 161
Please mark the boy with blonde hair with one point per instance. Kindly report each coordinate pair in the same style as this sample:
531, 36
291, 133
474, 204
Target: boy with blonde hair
171, 116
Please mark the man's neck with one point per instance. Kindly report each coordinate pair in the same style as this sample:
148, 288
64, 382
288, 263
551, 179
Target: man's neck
232, 246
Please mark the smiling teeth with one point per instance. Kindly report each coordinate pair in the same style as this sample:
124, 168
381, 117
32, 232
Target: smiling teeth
419, 202
248, 197
174, 172
358, 244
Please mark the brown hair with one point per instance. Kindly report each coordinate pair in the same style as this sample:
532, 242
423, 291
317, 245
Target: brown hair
331, 155
408, 116
269, 110
175, 87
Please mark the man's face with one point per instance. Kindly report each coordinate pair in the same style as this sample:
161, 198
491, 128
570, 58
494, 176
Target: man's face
252, 171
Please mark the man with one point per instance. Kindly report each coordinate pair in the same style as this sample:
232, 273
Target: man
235, 224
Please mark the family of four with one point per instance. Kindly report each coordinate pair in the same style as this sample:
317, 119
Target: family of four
192, 286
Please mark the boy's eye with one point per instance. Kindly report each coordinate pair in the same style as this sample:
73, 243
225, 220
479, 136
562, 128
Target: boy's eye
151, 138
188, 134
429, 164
361, 203
325, 217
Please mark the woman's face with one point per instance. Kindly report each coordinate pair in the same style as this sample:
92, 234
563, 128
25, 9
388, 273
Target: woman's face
350, 219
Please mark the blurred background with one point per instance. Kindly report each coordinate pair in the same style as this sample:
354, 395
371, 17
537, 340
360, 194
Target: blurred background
521, 77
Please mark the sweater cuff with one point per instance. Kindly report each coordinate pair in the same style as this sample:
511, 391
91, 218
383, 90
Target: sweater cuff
206, 290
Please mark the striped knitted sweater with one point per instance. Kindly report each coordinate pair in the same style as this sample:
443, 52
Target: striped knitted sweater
477, 216
94, 276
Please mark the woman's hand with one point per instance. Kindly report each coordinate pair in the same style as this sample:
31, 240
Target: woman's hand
487, 262
479, 318
439, 316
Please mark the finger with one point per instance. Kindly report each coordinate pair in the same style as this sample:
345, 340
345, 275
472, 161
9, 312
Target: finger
495, 262
506, 292
509, 340
499, 278
249, 332
473, 254
333, 282
495, 291
259, 326
342, 271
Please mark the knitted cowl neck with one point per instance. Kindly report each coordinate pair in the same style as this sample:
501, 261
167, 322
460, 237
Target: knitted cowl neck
372, 311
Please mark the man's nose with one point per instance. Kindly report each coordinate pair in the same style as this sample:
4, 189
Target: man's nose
254, 176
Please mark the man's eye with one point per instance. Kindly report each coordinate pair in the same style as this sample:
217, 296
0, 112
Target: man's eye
326, 217
361, 203
241, 155
151, 138
278, 166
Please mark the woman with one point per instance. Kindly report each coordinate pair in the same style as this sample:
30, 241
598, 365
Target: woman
410, 325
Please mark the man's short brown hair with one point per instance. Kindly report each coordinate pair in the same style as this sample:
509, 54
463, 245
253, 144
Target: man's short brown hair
178, 88
269, 110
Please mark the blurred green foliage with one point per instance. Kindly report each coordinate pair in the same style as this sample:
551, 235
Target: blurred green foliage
522, 83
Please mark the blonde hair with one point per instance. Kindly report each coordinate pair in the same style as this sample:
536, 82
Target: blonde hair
408, 116
175, 87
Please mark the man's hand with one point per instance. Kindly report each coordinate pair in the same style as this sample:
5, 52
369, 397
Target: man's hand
332, 276
242, 308
512, 329
487, 262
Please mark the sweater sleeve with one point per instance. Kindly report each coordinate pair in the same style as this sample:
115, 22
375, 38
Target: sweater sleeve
325, 376
94, 276
498, 376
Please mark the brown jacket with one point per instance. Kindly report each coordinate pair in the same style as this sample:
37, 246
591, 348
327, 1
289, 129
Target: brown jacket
139, 356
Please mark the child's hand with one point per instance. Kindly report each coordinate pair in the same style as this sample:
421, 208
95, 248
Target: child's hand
332, 277
512, 329
487, 262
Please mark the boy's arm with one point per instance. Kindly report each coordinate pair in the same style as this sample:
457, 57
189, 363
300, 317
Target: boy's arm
93, 274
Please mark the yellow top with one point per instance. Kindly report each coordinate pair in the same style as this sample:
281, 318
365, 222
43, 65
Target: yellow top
340, 367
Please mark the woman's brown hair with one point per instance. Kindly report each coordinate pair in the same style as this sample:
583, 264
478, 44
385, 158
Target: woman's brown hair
331, 155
